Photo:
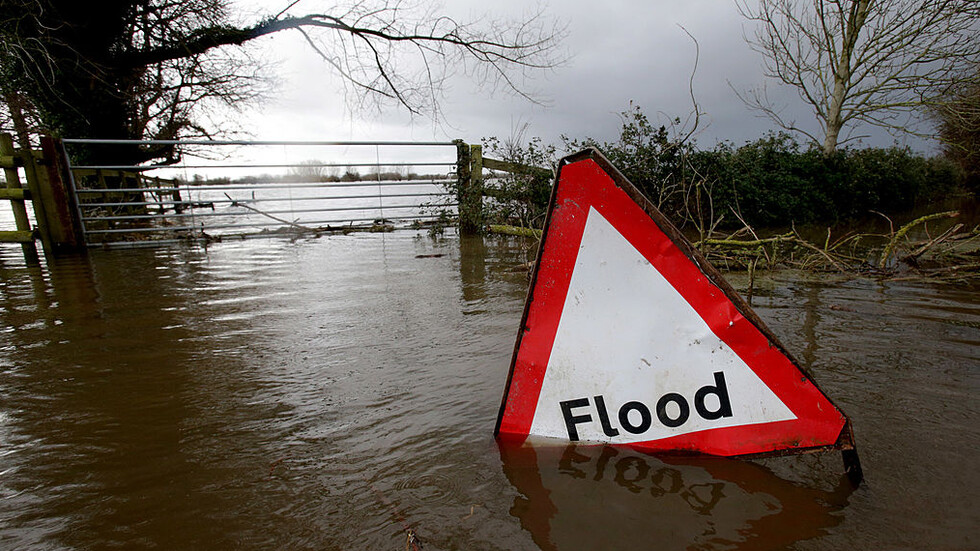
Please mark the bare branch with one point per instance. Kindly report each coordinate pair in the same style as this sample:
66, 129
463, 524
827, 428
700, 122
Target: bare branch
858, 61
151, 68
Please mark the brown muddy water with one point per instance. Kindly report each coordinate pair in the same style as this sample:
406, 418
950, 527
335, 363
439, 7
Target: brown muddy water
331, 393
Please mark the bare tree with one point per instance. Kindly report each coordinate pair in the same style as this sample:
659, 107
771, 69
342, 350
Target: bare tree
17, 115
958, 115
310, 170
153, 68
861, 61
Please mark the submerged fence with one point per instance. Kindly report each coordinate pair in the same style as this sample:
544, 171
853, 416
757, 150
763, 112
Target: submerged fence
263, 188
223, 189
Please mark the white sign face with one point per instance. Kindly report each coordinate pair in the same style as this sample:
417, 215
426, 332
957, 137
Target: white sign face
632, 361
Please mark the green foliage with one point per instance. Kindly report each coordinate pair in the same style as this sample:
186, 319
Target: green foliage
772, 181
519, 198
767, 182
653, 161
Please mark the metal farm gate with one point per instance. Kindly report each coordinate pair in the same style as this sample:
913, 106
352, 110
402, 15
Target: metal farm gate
263, 188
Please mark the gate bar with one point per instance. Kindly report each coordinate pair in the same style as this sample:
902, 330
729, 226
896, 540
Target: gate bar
94, 141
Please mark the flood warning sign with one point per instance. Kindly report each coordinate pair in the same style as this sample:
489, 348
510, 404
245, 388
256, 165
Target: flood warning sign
630, 337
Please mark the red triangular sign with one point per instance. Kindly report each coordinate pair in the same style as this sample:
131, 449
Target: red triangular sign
630, 337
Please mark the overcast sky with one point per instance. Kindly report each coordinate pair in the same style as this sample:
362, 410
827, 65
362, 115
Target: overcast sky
619, 52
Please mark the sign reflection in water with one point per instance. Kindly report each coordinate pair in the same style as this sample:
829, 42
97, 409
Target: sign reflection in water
605, 497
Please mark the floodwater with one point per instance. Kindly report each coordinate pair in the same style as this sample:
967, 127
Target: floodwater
334, 393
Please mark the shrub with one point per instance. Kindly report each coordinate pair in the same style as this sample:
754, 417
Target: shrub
520, 198
772, 181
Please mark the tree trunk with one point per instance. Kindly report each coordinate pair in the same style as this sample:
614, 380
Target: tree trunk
854, 22
834, 125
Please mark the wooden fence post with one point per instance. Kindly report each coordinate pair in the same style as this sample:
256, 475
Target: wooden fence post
462, 181
469, 194
40, 199
16, 194
55, 214
55, 183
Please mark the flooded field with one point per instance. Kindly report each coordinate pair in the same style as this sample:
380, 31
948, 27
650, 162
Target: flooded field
334, 393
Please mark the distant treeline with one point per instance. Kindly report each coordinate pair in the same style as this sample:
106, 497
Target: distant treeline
311, 172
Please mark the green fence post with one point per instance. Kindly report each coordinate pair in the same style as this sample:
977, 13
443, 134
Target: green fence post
470, 194
462, 183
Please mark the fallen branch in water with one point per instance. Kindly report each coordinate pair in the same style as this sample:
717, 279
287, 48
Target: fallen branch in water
515, 230
824, 253
744, 244
913, 256
904, 230
952, 255
235, 203
952, 269
715, 249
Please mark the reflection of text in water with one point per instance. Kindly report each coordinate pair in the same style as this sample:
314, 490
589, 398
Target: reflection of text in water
636, 475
